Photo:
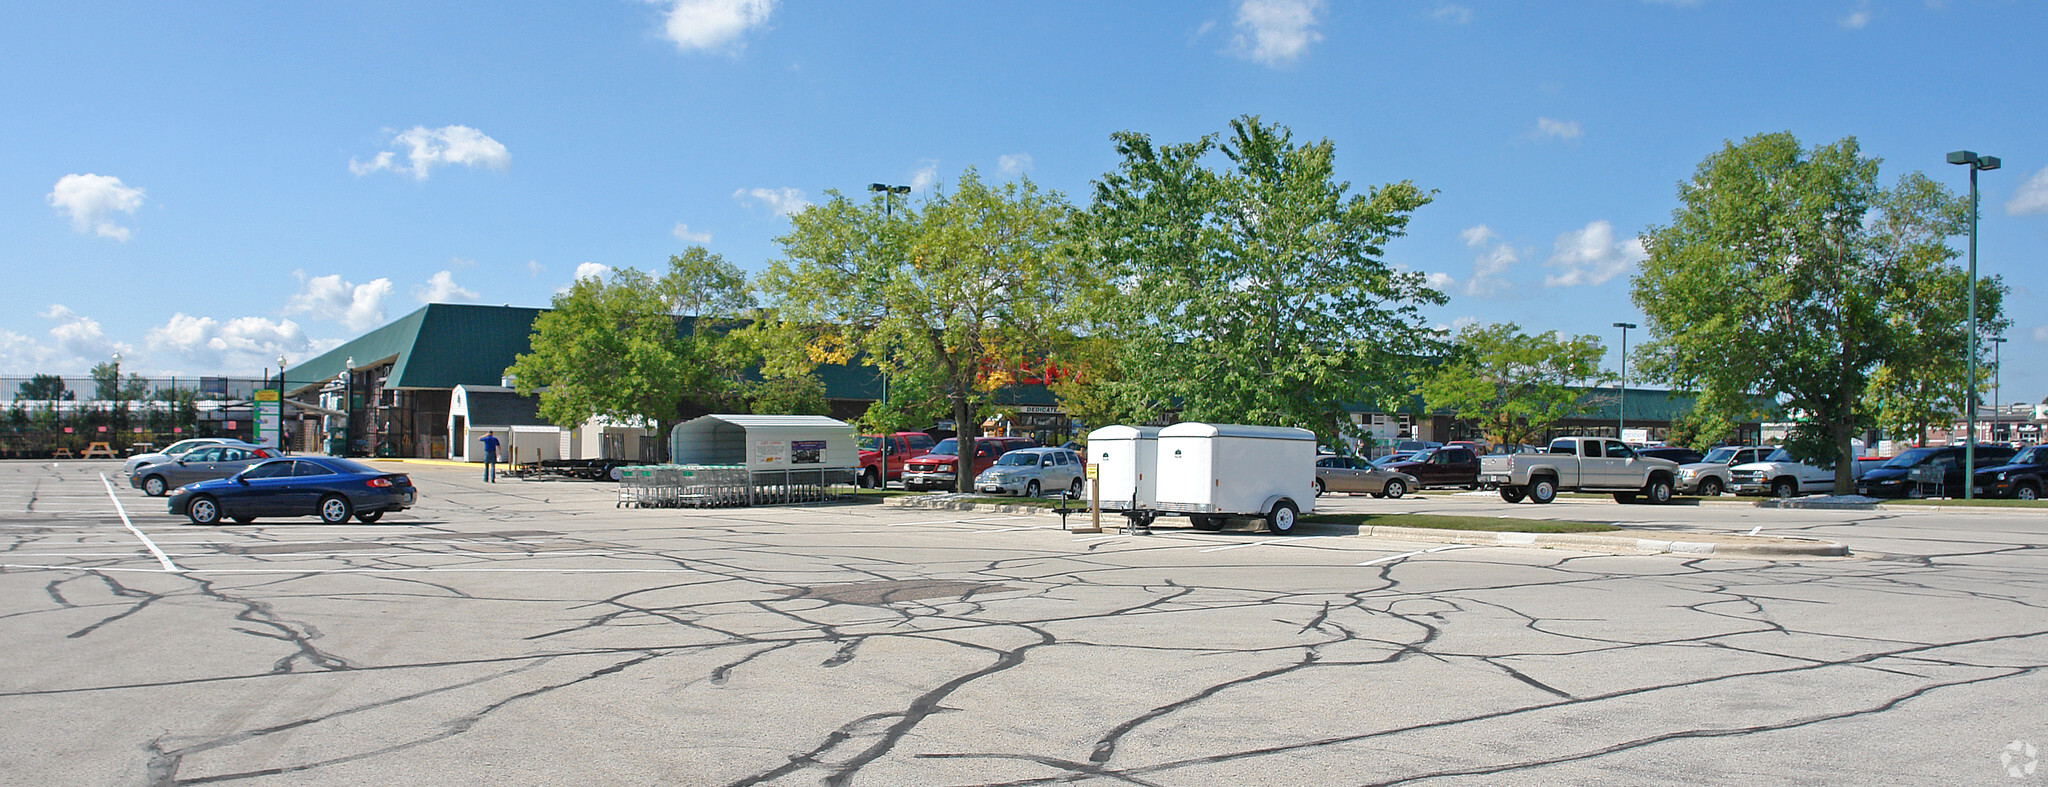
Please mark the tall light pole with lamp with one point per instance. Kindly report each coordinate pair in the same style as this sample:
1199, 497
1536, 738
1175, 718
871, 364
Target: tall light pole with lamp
889, 194
1621, 410
280, 403
1975, 163
1997, 371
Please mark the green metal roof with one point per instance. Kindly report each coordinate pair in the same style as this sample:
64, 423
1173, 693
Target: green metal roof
439, 346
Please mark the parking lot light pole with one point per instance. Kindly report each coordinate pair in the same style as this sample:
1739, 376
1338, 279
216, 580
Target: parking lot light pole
1621, 410
280, 403
1975, 163
889, 194
1997, 371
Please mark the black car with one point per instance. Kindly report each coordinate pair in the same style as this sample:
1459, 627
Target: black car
332, 489
1683, 456
1895, 478
2024, 477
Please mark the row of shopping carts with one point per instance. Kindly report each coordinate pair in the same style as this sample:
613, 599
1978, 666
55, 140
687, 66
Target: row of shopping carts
721, 486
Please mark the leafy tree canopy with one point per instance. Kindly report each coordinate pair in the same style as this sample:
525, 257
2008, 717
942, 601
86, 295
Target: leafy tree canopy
1514, 384
1245, 283
44, 387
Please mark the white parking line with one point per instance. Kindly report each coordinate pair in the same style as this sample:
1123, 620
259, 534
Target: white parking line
1406, 555
160, 556
1287, 540
369, 570
1097, 538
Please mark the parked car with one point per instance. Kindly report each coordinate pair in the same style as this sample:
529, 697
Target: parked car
1396, 458
199, 464
1895, 477
1678, 454
883, 456
1032, 471
173, 450
2025, 476
1590, 464
1445, 466
938, 469
330, 488
1353, 475
1779, 475
1412, 446
1708, 477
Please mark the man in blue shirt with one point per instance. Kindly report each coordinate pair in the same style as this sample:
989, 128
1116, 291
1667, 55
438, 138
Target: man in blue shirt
490, 457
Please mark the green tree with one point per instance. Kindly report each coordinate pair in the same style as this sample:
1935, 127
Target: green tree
944, 297
1793, 273
44, 387
1255, 290
638, 347
1514, 384
108, 386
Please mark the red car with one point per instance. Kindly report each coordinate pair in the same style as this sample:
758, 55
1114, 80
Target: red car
940, 468
883, 456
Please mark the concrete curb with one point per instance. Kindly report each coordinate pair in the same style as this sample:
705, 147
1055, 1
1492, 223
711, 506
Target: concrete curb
1624, 541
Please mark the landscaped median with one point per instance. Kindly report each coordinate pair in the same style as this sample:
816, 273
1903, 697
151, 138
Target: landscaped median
1488, 531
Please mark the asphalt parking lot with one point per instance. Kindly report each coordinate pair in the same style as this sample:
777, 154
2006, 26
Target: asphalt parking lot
531, 633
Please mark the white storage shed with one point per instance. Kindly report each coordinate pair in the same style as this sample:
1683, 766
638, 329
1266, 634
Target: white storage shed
1126, 462
1215, 471
765, 442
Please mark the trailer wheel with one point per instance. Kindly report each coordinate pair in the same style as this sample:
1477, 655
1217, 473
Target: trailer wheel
1282, 518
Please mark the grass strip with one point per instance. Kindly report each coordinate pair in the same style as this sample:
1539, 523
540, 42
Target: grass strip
1448, 522
1998, 502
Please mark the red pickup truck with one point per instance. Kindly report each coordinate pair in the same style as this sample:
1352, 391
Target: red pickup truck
938, 469
882, 456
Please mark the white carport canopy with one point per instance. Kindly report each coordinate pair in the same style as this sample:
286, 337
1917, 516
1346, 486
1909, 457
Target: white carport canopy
764, 442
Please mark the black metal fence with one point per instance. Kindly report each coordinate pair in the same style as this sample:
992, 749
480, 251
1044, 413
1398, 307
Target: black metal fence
53, 415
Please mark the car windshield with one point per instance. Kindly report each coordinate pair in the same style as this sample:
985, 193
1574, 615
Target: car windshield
1912, 457
1722, 455
1778, 456
869, 442
946, 446
185, 445
2032, 456
1018, 459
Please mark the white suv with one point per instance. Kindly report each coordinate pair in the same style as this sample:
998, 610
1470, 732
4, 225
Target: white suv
1778, 476
1709, 477
1032, 472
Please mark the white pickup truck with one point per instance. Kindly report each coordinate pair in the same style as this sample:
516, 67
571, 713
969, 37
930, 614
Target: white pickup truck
1579, 464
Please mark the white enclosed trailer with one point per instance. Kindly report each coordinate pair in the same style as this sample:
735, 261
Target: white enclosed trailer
1214, 472
1126, 462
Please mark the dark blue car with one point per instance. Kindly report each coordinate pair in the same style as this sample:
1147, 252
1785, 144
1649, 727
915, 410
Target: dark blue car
332, 489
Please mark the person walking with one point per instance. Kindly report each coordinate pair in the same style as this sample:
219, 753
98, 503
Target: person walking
490, 457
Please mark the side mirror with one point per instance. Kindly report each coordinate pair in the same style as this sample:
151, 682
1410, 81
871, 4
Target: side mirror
240, 480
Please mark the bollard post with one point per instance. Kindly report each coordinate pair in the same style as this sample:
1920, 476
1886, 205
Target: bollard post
1094, 505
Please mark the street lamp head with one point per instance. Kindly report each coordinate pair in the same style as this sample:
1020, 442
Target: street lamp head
1624, 325
877, 187
906, 189
1962, 157
1987, 162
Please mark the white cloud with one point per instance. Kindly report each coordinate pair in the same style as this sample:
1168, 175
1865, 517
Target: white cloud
683, 232
79, 335
1478, 235
75, 343
88, 198
358, 307
1489, 270
1014, 164
441, 288
1561, 129
1591, 256
714, 24
458, 262
1855, 21
1274, 32
1441, 281
1452, 13
2032, 196
782, 201
241, 343
533, 269
434, 147
592, 270
2041, 332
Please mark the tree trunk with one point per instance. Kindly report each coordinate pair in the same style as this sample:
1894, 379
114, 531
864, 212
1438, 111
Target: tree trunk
965, 429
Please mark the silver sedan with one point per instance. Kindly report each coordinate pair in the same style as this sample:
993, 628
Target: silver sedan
198, 464
1352, 474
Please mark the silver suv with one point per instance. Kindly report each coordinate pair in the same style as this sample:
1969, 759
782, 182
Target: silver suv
1033, 471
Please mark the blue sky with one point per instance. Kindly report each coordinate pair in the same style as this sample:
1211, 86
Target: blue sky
202, 187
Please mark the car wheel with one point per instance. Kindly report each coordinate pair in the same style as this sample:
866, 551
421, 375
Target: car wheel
1206, 522
368, 517
1784, 487
335, 509
1659, 490
1542, 490
1624, 498
1283, 518
203, 510
1074, 490
154, 486
1320, 489
1512, 494
1710, 487
2026, 492
870, 479
1031, 489
1395, 489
